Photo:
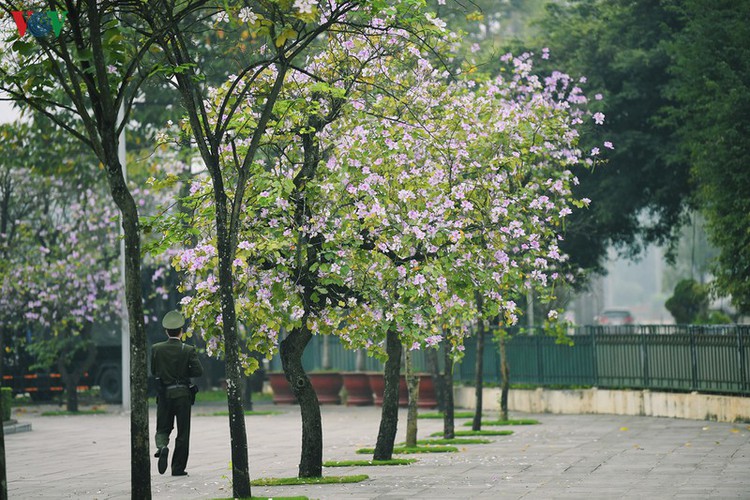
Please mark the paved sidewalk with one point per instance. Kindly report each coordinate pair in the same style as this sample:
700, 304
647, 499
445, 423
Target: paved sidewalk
567, 456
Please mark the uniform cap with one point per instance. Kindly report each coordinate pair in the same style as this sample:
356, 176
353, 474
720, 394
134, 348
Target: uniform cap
173, 320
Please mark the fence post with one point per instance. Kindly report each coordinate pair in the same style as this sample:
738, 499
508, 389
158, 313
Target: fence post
594, 356
742, 361
693, 357
539, 359
644, 361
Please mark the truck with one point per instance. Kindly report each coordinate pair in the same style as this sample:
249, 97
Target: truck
20, 374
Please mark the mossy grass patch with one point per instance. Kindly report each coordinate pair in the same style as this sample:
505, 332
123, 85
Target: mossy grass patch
437, 415
521, 421
267, 498
220, 396
403, 450
247, 413
475, 433
292, 481
456, 440
367, 463
65, 413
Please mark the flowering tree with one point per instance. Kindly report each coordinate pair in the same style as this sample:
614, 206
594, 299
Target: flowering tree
85, 79
462, 189
230, 126
59, 261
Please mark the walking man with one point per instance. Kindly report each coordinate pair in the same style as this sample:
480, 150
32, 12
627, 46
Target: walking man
173, 363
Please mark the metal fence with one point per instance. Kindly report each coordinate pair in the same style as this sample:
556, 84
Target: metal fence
660, 357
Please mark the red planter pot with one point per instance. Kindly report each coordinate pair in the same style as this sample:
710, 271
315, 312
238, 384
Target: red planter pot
327, 387
403, 392
377, 384
358, 389
282, 393
427, 395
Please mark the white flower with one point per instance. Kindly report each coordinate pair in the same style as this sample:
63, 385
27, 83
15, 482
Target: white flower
304, 6
248, 16
222, 17
435, 20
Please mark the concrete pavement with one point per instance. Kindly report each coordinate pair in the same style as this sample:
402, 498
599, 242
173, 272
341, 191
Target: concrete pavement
566, 456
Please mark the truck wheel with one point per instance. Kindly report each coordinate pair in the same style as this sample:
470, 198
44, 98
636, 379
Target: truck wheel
41, 396
110, 385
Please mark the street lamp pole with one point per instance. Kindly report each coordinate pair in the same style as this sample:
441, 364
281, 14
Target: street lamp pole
125, 356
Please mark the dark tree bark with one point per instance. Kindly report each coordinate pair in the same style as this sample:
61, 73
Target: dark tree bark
71, 375
476, 423
3, 470
238, 432
3, 334
389, 414
291, 349
412, 382
449, 430
437, 379
504, 375
139, 434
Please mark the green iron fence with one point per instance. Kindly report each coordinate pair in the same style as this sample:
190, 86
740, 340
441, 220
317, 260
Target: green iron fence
658, 357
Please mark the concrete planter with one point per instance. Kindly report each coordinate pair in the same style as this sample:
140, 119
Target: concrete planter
359, 392
327, 387
377, 382
427, 395
282, 392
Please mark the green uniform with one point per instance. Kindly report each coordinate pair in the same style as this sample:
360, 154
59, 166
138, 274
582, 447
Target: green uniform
174, 363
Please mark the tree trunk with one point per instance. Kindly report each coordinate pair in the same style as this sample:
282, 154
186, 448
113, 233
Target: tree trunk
247, 398
325, 355
449, 430
389, 415
3, 473
359, 365
437, 379
237, 431
412, 382
505, 383
71, 397
3, 334
291, 349
476, 424
72, 377
140, 476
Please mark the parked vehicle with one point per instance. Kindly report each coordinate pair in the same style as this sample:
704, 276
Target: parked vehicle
42, 384
614, 317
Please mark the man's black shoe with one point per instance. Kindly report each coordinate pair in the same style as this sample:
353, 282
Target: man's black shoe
183, 473
163, 455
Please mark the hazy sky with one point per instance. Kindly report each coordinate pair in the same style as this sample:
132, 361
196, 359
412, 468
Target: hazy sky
7, 113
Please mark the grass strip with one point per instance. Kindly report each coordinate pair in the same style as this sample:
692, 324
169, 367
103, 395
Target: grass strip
266, 498
458, 414
457, 440
367, 463
475, 433
220, 396
522, 421
292, 481
401, 450
247, 413
64, 413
